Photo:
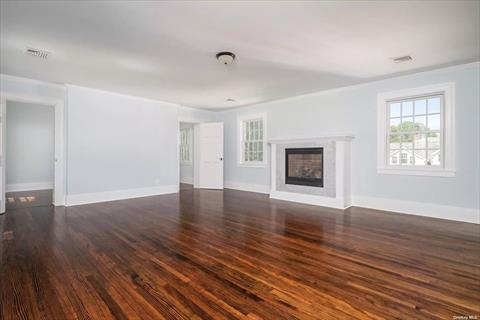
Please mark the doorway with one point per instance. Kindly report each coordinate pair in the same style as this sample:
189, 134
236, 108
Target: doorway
32, 151
186, 155
200, 155
30, 148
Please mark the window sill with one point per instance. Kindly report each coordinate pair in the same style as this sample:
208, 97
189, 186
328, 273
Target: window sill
417, 172
186, 163
252, 165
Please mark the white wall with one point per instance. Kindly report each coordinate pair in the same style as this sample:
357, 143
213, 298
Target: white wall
191, 115
353, 110
118, 142
186, 169
30, 146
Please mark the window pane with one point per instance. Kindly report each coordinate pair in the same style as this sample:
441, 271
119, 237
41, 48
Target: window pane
434, 140
434, 122
420, 157
393, 158
407, 108
395, 110
420, 123
433, 157
408, 120
414, 136
421, 106
256, 130
407, 141
404, 157
394, 141
419, 141
434, 105
260, 156
394, 124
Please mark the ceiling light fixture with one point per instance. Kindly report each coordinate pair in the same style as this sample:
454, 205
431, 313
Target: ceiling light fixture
37, 53
225, 57
402, 59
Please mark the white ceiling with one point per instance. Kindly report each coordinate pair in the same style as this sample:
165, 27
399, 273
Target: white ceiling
166, 50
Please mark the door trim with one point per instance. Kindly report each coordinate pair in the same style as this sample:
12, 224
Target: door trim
60, 182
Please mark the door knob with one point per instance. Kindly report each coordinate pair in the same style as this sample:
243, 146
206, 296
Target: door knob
221, 159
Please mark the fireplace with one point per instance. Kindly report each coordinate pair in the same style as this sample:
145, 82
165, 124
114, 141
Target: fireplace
304, 166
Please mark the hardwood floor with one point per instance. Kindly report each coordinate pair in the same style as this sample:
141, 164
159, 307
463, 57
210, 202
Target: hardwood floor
25, 199
234, 255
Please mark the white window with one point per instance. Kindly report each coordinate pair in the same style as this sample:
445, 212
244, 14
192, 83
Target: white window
252, 140
417, 124
186, 145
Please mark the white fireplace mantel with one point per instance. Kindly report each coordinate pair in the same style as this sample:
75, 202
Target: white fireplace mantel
345, 137
341, 155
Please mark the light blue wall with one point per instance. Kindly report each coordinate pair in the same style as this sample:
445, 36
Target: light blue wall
114, 142
118, 142
23, 86
30, 135
353, 110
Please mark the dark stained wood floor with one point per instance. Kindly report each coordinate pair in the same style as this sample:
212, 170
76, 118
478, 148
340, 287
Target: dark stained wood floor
234, 255
25, 199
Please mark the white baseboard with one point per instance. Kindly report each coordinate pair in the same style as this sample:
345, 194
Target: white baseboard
260, 188
188, 180
431, 210
84, 198
337, 203
29, 186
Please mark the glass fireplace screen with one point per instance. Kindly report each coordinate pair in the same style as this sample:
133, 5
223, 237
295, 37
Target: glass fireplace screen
304, 166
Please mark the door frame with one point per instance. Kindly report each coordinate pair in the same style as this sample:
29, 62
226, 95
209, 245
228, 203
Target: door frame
59, 182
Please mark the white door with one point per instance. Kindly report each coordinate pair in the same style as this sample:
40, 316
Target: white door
210, 155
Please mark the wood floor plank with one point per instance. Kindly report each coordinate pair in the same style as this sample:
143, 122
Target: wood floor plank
204, 254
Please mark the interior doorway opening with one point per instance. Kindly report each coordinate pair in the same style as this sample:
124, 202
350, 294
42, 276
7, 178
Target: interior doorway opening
186, 155
30, 154
57, 186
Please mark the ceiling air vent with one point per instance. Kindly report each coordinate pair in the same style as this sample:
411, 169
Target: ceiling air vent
38, 53
402, 59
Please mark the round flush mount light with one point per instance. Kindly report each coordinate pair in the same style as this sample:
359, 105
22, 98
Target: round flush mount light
225, 57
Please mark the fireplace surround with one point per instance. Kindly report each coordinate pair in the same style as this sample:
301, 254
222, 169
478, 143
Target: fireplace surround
335, 189
304, 166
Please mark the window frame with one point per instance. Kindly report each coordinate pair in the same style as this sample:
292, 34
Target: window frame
190, 146
241, 122
447, 131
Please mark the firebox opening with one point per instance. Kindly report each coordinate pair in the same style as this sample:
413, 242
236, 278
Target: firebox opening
304, 166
